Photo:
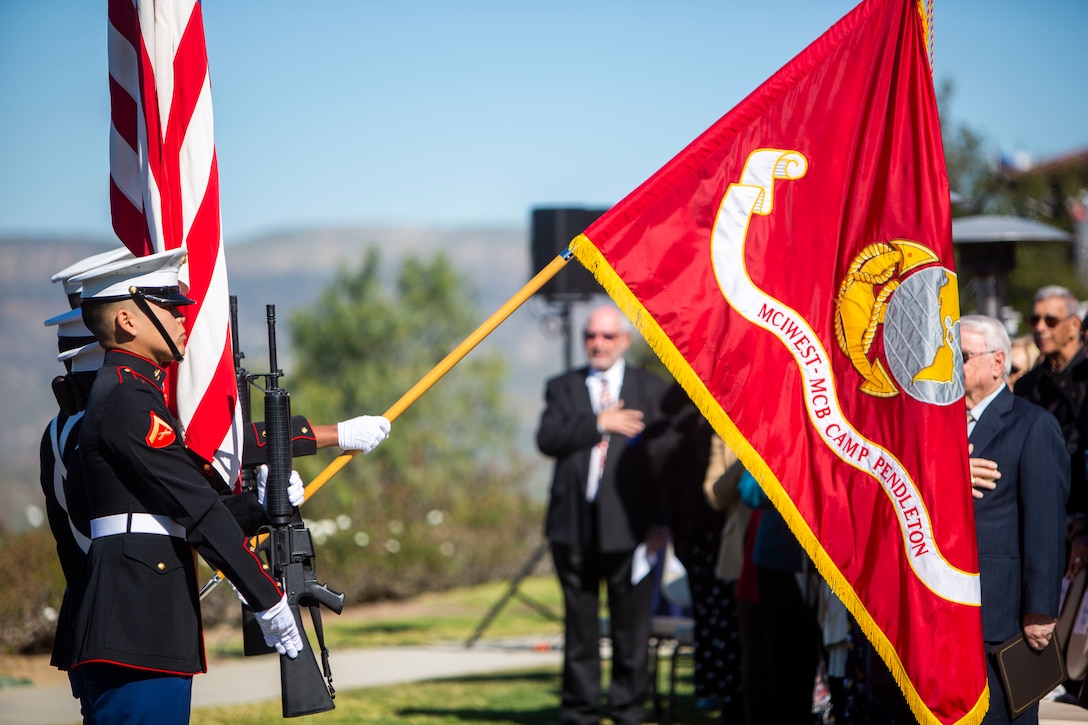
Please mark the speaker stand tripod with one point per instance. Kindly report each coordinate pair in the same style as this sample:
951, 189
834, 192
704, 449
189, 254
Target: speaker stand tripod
550, 227
512, 592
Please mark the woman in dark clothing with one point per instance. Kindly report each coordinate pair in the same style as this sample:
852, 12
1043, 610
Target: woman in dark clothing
696, 535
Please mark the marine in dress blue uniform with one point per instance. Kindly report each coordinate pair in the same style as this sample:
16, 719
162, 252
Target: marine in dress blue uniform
136, 633
61, 473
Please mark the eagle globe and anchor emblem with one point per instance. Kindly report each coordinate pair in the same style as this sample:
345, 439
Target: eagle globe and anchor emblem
900, 289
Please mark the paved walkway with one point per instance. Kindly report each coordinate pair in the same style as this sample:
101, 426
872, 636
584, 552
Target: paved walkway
257, 679
1056, 713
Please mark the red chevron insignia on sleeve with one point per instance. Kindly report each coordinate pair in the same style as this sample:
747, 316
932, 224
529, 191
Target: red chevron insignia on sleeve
161, 434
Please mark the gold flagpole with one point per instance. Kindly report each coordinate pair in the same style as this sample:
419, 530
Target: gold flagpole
449, 361
433, 376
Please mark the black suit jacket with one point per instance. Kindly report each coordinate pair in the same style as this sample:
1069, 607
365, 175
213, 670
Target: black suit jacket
1065, 395
1020, 525
629, 499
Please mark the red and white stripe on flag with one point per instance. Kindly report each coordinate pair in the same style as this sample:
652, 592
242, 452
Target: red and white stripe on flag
164, 193
793, 268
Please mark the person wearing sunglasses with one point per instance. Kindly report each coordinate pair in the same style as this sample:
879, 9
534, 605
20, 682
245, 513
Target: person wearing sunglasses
1059, 383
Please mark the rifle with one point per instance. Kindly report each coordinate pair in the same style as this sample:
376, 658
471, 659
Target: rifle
289, 553
253, 639
241, 383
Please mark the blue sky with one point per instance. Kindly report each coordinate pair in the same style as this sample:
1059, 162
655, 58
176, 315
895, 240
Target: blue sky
468, 113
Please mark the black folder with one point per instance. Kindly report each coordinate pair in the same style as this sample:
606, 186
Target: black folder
1027, 674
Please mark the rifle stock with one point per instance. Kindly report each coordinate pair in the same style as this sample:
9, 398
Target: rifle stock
302, 686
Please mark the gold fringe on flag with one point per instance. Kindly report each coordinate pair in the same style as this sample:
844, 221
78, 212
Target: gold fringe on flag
925, 11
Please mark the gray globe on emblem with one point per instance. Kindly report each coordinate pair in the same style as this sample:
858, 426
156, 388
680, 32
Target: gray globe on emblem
920, 344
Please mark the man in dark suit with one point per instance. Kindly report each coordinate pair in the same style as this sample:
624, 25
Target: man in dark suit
604, 504
1020, 522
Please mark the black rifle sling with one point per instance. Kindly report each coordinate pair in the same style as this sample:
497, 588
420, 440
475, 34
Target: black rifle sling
319, 632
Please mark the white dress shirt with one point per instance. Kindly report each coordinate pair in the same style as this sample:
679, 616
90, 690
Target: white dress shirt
614, 376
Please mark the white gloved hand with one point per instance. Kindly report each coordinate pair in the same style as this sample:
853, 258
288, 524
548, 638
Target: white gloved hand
296, 491
363, 433
280, 629
262, 483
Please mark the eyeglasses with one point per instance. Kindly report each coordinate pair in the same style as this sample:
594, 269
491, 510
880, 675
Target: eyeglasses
1050, 320
968, 355
606, 335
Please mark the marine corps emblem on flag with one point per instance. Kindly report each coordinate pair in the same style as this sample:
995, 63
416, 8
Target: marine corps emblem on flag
900, 288
161, 434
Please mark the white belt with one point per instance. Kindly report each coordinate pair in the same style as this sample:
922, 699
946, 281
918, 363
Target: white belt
141, 524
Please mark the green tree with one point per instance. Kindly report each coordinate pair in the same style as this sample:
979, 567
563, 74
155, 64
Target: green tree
441, 502
970, 165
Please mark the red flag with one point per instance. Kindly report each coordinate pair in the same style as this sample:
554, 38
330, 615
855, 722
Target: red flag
164, 193
793, 269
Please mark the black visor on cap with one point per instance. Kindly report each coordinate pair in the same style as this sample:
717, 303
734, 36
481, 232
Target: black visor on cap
64, 344
166, 296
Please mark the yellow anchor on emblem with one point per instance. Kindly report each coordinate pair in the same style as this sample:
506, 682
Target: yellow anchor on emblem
860, 309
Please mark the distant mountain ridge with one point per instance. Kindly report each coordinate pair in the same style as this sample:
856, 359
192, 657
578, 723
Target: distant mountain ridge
288, 269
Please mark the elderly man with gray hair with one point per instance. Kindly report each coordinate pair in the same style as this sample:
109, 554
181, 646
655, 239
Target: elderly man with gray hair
1059, 383
1019, 523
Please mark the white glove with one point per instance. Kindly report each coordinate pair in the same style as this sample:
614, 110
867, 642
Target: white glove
280, 629
296, 492
363, 433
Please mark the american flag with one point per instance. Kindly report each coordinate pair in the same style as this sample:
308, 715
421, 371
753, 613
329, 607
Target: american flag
164, 193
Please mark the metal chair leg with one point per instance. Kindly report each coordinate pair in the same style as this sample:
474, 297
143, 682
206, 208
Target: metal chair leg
672, 685
655, 695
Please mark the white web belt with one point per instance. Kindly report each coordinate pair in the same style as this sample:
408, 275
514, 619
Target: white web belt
135, 524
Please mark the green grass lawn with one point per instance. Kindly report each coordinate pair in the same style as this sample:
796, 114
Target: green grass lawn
522, 697
527, 697
451, 616
508, 697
